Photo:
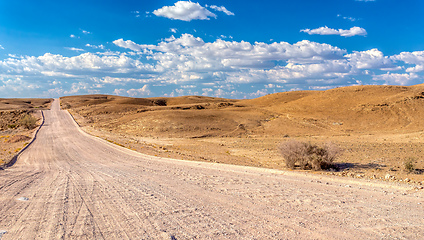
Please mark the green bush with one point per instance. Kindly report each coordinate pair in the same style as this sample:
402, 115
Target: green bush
309, 156
28, 121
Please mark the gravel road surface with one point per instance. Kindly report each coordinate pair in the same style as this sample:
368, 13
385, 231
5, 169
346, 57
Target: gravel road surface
70, 185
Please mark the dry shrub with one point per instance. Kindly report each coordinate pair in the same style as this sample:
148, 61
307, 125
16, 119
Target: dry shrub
309, 156
409, 164
28, 121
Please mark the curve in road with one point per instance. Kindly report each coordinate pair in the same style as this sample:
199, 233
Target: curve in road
70, 185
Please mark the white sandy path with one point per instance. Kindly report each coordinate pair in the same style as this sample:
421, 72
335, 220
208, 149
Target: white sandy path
81, 187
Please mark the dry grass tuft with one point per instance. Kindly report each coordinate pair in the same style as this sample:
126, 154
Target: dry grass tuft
28, 121
309, 156
409, 164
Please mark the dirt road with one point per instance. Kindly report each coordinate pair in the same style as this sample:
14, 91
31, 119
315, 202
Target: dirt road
69, 185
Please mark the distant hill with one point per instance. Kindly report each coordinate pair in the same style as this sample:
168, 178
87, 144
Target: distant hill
347, 110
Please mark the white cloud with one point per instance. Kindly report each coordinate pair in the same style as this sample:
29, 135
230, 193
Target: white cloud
128, 44
235, 69
416, 58
141, 92
75, 49
417, 68
370, 59
82, 87
119, 80
73, 36
189, 48
173, 30
79, 65
95, 46
397, 78
85, 32
354, 31
119, 92
185, 11
1, 47
221, 9
352, 19
188, 59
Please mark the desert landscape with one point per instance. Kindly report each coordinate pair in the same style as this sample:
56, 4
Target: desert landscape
211, 120
72, 185
380, 128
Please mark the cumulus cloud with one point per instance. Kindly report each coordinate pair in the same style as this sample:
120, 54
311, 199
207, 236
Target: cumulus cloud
128, 44
81, 64
397, 78
221, 9
370, 59
185, 11
141, 92
191, 65
415, 58
225, 53
1, 47
354, 31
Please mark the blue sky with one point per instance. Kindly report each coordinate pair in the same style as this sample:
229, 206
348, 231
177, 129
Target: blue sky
232, 49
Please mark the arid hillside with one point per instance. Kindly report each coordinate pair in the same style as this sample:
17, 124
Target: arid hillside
379, 127
14, 132
359, 109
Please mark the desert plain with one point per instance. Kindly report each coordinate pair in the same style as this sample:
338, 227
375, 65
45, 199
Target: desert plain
379, 128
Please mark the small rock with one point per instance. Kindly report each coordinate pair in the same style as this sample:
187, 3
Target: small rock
407, 180
23, 199
2, 232
388, 176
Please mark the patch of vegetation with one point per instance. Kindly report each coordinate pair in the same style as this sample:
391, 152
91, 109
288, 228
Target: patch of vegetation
309, 156
28, 121
409, 164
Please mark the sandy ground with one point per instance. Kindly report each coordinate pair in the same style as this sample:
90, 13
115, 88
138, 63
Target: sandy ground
70, 185
379, 127
367, 156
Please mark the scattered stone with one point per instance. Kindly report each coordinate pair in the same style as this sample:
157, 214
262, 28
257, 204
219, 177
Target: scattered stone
23, 199
2, 232
407, 180
388, 176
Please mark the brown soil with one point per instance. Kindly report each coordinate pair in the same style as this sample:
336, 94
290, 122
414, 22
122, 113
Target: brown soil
380, 127
18, 138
